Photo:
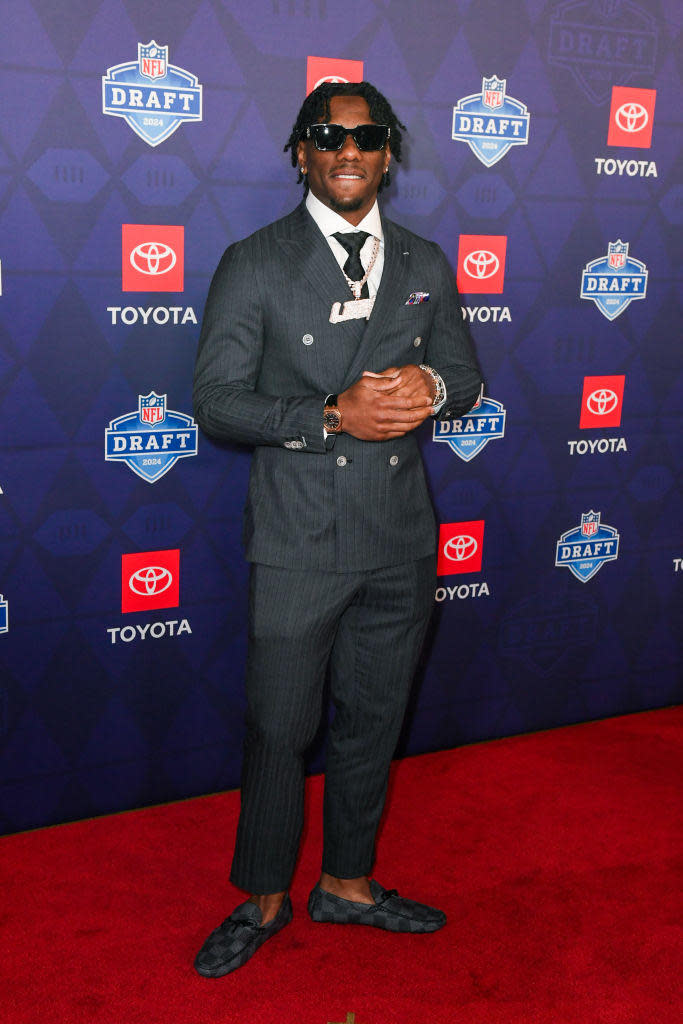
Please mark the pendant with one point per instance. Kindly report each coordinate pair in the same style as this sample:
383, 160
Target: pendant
354, 309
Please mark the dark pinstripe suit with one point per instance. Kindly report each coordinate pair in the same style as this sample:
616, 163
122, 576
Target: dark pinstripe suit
342, 540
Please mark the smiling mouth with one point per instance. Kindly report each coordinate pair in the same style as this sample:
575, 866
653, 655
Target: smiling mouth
347, 176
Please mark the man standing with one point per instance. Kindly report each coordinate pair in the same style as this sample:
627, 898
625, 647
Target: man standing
328, 337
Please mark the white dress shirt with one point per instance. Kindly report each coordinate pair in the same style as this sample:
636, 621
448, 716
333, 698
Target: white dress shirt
330, 222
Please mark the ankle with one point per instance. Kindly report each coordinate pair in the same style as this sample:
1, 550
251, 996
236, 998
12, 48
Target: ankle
355, 889
268, 903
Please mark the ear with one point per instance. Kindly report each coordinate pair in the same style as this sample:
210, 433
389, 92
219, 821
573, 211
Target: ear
301, 153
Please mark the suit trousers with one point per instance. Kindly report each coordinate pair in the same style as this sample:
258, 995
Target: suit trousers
369, 626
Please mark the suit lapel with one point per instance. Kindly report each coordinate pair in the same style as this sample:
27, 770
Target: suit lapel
309, 250
306, 245
392, 288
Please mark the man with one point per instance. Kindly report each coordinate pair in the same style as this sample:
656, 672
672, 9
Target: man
328, 337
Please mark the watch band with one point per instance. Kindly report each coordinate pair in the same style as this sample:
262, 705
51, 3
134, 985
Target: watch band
440, 395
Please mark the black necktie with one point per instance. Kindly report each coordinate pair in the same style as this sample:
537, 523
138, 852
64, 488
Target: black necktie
353, 242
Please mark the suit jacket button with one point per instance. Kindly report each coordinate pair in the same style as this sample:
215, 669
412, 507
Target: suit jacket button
393, 461
307, 339
341, 461
417, 342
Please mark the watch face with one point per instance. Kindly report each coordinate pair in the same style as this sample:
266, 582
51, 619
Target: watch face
331, 420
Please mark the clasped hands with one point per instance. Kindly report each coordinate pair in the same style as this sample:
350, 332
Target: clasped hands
381, 406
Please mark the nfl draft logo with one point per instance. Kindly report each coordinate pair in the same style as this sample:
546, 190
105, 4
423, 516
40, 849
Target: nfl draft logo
153, 96
4, 615
470, 434
585, 549
151, 440
614, 281
600, 41
490, 122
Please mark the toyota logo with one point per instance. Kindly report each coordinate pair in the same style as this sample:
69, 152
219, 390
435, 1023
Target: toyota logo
457, 549
150, 581
333, 79
153, 258
631, 117
602, 401
481, 263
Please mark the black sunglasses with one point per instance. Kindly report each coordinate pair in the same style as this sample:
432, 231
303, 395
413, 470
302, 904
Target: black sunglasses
368, 137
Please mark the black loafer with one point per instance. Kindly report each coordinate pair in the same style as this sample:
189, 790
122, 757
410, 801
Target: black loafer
235, 941
390, 911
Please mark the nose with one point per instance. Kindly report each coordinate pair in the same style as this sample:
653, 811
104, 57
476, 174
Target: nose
349, 150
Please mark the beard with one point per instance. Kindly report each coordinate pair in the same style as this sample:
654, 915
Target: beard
349, 205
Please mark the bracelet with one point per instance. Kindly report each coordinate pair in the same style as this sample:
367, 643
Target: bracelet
440, 395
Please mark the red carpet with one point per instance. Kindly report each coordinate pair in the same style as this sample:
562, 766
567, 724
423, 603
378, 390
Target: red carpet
555, 856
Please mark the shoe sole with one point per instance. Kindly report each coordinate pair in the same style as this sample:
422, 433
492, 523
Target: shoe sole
373, 924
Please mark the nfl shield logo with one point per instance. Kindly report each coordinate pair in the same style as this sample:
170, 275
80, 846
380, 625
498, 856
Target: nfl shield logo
616, 254
152, 60
493, 92
590, 523
152, 408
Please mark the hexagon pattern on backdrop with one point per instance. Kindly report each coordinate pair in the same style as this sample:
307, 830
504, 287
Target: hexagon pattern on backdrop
559, 547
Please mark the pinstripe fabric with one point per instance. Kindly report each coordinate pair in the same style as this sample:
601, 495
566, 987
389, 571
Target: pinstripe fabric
372, 625
256, 381
373, 660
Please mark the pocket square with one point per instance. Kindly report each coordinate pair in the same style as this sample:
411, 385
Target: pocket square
415, 298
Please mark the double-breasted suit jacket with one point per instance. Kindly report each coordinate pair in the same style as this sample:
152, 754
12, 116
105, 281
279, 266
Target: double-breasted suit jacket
268, 356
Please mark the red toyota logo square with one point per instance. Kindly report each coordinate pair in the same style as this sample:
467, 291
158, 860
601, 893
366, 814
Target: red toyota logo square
150, 579
331, 69
631, 116
601, 401
460, 547
152, 257
481, 263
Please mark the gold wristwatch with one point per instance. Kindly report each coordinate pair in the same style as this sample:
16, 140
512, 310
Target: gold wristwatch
332, 417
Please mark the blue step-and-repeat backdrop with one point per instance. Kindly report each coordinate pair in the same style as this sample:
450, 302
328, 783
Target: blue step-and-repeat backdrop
136, 142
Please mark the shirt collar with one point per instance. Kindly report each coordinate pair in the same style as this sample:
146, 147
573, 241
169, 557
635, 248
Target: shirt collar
330, 222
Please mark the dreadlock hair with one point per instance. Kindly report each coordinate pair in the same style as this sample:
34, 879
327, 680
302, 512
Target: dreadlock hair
316, 109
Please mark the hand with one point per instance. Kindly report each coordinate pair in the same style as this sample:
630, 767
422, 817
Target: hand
414, 382
379, 407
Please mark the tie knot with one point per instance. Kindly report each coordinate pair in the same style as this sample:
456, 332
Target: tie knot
352, 241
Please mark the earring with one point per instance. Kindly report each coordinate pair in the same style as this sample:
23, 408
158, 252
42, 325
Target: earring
386, 178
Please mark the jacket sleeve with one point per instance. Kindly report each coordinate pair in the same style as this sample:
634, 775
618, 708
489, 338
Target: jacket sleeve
226, 403
450, 350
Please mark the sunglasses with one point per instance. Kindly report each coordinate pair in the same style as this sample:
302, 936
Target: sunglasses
330, 137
